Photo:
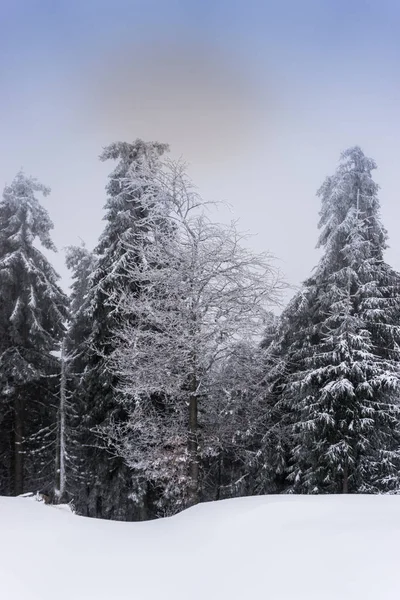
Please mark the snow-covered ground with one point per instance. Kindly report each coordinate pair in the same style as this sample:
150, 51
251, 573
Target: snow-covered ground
276, 547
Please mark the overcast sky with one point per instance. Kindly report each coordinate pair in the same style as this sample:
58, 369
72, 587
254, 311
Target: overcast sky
260, 98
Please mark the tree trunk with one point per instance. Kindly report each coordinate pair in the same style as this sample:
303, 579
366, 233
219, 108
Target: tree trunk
345, 487
193, 446
57, 462
219, 480
61, 426
18, 445
143, 508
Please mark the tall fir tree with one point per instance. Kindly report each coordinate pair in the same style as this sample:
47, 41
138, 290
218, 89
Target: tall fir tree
338, 345
33, 310
81, 263
111, 485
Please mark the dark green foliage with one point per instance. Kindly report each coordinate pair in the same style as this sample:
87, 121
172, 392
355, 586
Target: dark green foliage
338, 346
110, 490
33, 310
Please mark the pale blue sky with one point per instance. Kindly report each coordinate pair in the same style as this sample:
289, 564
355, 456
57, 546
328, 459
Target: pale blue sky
259, 97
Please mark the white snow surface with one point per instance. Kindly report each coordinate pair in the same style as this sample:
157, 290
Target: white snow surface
272, 547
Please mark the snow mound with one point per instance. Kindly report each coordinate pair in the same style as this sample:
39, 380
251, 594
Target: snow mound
275, 547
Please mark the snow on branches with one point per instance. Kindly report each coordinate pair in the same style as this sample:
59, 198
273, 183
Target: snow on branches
201, 291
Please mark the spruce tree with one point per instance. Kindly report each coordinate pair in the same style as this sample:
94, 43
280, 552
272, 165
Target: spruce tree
81, 263
238, 419
33, 310
339, 343
111, 486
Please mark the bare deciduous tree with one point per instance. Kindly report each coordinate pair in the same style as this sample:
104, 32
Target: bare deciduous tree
201, 291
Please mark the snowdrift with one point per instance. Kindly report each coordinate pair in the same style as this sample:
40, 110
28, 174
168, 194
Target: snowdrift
277, 548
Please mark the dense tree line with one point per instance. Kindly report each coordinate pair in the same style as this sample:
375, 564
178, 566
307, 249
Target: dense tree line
165, 379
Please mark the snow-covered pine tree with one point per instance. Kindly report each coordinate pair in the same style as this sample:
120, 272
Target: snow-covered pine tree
242, 421
72, 428
33, 310
201, 292
270, 476
339, 341
277, 439
110, 487
238, 420
81, 263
